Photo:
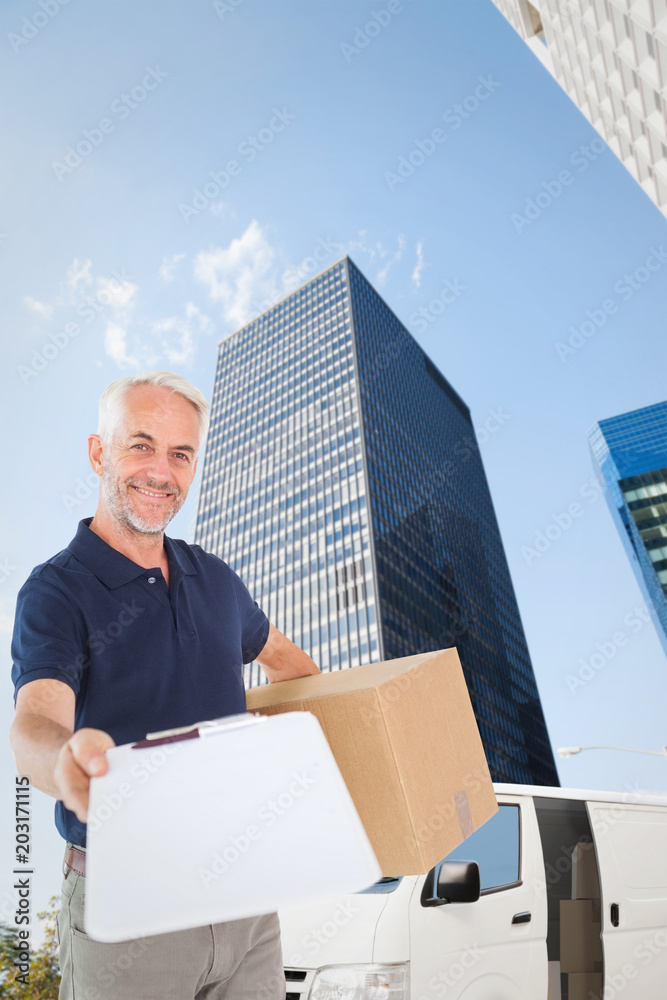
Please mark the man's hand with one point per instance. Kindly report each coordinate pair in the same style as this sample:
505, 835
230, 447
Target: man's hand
57, 760
81, 758
282, 660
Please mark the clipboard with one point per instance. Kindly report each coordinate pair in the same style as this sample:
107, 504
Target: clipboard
227, 819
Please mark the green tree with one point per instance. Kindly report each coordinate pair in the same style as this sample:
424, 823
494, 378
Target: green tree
44, 973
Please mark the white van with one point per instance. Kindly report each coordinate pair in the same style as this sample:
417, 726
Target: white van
485, 924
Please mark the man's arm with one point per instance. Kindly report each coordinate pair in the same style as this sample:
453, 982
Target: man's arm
57, 760
282, 660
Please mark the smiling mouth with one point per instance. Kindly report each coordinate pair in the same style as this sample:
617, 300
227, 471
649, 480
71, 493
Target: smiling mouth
150, 493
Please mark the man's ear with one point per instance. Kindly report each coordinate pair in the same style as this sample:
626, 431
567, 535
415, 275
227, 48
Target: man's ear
194, 469
96, 454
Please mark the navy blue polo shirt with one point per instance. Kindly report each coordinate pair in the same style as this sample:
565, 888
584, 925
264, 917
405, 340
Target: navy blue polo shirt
139, 655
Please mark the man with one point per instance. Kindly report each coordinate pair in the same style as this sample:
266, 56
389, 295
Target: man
125, 632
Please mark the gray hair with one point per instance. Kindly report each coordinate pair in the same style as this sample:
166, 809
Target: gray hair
111, 400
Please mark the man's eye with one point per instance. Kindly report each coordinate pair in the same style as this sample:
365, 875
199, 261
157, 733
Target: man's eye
180, 454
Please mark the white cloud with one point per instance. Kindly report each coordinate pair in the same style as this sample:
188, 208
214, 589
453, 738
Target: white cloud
41, 308
192, 312
184, 353
118, 299
115, 345
134, 341
363, 247
395, 257
115, 294
419, 266
77, 274
76, 288
239, 275
169, 265
180, 347
377, 252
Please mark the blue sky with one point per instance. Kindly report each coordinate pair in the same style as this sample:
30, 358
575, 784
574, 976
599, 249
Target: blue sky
108, 267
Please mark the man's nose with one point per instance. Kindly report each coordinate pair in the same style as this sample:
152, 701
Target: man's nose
158, 466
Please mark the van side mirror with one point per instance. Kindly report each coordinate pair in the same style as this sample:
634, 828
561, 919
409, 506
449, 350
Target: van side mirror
451, 882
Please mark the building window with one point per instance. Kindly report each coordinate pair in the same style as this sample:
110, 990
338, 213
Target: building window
649, 44
626, 22
635, 81
658, 102
535, 20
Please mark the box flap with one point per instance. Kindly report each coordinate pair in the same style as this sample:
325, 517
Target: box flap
368, 675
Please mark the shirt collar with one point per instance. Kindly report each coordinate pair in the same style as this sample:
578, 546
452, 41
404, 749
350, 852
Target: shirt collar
111, 566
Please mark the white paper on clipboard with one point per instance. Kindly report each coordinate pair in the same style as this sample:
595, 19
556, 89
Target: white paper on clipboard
249, 816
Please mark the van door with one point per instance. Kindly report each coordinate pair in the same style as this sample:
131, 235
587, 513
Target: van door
631, 846
495, 947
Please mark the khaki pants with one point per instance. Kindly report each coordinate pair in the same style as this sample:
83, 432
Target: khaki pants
236, 960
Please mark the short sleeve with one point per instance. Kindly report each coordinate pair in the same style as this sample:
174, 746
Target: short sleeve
49, 637
254, 623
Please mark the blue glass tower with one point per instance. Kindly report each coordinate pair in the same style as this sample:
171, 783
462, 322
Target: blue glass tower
630, 452
342, 480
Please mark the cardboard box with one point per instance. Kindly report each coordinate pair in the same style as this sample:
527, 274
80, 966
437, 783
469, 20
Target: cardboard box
584, 985
585, 882
580, 943
554, 981
406, 741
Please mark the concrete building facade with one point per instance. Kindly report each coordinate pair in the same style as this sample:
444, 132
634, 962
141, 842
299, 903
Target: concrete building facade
610, 57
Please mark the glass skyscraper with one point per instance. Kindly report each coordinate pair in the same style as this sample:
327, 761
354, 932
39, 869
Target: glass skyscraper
630, 453
343, 482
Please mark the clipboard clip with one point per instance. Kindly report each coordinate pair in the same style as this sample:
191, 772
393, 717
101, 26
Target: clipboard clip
208, 728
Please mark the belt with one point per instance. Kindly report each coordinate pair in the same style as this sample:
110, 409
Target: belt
75, 860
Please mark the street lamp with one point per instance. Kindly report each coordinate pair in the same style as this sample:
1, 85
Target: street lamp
570, 751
